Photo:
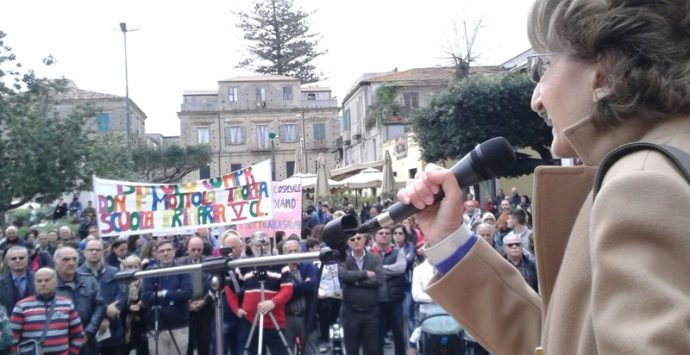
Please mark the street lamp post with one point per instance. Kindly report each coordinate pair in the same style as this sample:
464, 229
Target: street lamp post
303, 142
123, 27
272, 136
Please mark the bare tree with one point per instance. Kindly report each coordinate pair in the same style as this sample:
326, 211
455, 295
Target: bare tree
459, 48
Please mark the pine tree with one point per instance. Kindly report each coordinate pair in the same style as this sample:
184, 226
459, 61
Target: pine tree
281, 43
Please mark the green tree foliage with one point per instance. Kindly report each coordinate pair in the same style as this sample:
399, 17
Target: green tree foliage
280, 40
42, 153
169, 164
476, 109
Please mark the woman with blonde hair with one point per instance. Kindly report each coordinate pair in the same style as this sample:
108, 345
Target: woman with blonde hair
614, 272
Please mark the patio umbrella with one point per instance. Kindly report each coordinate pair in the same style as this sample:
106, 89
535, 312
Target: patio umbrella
388, 183
322, 188
368, 177
308, 181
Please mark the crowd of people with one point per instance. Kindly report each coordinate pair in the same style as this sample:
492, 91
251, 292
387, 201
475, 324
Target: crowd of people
378, 290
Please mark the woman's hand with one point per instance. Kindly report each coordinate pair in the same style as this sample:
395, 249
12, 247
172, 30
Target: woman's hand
442, 219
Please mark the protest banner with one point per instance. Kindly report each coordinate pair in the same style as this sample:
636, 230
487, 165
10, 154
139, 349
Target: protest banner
133, 208
287, 211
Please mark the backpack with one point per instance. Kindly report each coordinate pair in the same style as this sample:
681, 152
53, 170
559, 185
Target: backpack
680, 158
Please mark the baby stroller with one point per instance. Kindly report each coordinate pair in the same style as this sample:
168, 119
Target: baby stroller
440, 334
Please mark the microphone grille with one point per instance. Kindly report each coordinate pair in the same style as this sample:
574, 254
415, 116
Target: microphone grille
497, 156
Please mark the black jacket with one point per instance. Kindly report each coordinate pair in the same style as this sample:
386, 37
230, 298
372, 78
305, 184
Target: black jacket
360, 291
7, 296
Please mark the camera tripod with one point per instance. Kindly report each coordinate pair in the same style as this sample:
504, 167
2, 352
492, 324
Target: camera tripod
260, 319
156, 319
219, 266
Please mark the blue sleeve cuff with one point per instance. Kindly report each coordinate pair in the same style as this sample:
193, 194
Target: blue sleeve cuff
447, 264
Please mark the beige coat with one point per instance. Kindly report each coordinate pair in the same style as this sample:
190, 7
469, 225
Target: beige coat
614, 276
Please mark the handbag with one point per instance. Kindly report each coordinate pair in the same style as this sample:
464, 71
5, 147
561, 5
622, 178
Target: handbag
35, 347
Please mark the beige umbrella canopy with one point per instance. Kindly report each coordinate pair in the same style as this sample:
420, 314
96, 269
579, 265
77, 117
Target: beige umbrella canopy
368, 177
322, 188
309, 180
388, 183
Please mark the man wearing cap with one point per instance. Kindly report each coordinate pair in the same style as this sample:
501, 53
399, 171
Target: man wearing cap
277, 290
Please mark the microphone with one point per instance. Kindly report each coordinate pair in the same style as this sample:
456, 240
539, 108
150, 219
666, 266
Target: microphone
487, 160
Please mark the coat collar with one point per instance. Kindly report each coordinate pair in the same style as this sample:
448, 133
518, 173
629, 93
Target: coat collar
592, 143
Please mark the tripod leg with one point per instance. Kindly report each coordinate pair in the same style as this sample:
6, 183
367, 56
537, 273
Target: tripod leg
280, 333
172, 337
251, 333
260, 343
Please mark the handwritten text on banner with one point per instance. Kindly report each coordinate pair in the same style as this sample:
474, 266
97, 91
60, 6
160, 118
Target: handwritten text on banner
132, 208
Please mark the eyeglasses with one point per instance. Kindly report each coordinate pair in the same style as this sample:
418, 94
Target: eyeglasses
196, 249
355, 239
537, 64
15, 258
514, 245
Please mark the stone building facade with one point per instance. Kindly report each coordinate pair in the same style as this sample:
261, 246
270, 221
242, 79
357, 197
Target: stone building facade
237, 118
111, 112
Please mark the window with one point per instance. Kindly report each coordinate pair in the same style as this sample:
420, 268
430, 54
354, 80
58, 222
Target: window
290, 168
411, 101
232, 95
287, 93
320, 133
262, 140
234, 135
261, 95
205, 172
346, 119
103, 122
235, 167
203, 135
288, 133
311, 96
393, 131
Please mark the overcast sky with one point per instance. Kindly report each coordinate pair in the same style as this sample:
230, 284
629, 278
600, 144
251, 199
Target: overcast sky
191, 45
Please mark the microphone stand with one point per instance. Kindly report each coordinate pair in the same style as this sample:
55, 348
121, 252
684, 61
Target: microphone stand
219, 266
216, 293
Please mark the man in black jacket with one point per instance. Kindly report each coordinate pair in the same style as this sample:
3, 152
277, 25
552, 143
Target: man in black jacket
200, 308
172, 293
18, 281
392, 290
360, 277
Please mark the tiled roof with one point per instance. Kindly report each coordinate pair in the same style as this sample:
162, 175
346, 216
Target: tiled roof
417, 74
262, 78
72, 92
